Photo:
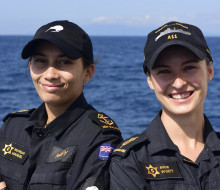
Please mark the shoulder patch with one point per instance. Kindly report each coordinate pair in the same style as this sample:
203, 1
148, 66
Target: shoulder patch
104, 122
123, 148
22, 113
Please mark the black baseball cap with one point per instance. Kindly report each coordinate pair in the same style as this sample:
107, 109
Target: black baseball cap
174, 33
72, 40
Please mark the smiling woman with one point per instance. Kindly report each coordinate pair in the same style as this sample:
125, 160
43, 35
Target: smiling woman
65, 143
179, 149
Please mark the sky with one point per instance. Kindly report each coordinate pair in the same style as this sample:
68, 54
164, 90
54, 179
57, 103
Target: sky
109, 17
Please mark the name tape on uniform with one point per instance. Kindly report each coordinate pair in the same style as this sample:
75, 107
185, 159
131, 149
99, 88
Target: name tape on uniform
13, 151
160, 170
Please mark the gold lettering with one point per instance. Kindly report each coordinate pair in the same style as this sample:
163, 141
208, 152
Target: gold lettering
161, 28
164, 167
112, 127
167, 171
61, 154
17, 155
19, 151
173, 36
181, 25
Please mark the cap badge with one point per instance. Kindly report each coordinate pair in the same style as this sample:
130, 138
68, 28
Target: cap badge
169, 30
56, 28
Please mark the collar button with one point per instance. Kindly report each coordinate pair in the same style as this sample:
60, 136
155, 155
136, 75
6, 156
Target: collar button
40, 134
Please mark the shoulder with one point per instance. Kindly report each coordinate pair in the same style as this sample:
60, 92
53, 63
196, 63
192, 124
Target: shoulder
126, 146
218, 134
19, 114
104, 122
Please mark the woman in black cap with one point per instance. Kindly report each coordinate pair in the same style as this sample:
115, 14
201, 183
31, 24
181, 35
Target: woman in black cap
179, 149
65, 143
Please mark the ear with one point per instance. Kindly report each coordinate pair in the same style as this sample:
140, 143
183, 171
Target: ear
89, 72
210, 71
149, 82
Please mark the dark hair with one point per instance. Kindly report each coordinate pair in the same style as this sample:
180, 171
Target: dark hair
87, 63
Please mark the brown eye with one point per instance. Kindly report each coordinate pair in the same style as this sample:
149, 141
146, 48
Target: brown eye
165, 71
188, 68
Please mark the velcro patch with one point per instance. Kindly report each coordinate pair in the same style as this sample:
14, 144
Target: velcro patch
13, 151
160, 170
105, 151
58, 154
105, 122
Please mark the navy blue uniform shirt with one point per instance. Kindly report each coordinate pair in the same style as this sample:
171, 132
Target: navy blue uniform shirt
71, 153
151, 161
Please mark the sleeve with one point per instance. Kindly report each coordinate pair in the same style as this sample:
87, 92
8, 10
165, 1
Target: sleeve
94, 174
125, 175
1, 139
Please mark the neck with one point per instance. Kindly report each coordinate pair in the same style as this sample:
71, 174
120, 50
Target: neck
186, 131
53, 112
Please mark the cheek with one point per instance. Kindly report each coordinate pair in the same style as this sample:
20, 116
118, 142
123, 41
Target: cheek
160, 85
199, 80
34, 77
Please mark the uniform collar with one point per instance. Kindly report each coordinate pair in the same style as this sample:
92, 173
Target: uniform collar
160, 140
158, 137
57, 126
210, 136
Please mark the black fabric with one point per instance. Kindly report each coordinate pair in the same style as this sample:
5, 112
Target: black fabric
64, 155
159, 165
72, 40
174, 33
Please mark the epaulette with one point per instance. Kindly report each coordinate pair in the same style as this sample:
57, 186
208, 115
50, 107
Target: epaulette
124, 148
104, 122
22, 113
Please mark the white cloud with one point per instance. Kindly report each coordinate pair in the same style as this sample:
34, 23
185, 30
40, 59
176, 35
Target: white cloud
168, 19
132, 21
103, 19
99, 19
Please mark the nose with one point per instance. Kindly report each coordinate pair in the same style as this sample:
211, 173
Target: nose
51, 73
179, 82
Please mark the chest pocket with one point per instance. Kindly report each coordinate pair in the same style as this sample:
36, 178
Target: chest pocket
53, 174
13, 163
13, 174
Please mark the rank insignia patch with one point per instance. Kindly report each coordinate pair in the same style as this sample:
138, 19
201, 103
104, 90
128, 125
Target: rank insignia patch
13, 151
58, 154
105, 151
160, 170
105, 122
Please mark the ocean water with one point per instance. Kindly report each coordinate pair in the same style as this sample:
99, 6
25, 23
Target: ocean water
119, 87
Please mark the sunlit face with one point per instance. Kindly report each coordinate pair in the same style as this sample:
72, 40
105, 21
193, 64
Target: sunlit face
180, 80
58, 79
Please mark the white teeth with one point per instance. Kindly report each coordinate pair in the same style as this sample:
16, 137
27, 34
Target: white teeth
181, 96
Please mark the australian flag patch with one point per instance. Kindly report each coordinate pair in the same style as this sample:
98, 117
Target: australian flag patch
105, 151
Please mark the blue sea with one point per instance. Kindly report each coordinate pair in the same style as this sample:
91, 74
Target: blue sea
119, 87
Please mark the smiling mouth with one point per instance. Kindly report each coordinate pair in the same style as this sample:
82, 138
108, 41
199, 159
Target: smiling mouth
181, 95
52, 87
